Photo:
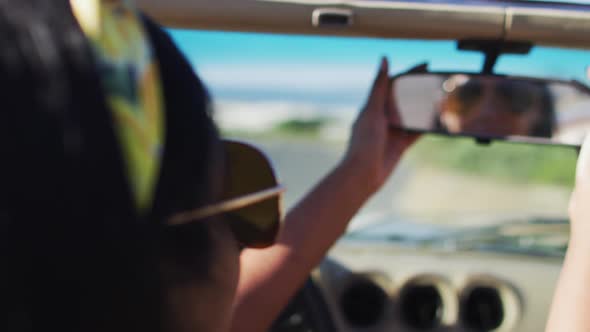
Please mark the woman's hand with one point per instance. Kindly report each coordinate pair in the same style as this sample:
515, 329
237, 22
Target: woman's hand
579, 208
375, 146
570, 310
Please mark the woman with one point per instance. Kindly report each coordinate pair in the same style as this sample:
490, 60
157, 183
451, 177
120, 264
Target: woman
99, 148
106, 139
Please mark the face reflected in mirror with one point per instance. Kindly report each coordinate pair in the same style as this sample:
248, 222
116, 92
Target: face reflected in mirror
486, 106
495, 107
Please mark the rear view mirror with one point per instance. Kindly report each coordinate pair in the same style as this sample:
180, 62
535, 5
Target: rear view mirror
494, 107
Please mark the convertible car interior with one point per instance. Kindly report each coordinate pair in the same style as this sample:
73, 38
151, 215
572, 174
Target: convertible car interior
470, 232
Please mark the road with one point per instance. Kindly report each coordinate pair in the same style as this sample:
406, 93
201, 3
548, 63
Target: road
300, 164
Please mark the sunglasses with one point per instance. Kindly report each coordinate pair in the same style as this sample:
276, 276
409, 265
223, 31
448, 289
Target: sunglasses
520, 96
251, 200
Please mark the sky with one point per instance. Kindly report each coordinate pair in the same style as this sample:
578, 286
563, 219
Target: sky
568, 1
249, 66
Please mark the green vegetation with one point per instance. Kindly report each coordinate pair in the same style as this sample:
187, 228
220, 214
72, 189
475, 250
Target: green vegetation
505, 161
297, 126
293, 128
502, 160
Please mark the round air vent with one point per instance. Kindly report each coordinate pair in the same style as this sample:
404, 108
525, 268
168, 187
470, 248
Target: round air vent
363, 303
482, 309
421, 306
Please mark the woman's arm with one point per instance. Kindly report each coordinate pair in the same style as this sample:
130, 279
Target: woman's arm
270, 277
570, 310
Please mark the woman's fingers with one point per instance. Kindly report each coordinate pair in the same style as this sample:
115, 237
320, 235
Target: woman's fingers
378, 94
578, 210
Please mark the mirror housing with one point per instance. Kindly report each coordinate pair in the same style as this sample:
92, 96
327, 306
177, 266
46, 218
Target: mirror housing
493, 107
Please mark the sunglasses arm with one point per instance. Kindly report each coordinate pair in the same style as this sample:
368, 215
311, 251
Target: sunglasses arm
225, 206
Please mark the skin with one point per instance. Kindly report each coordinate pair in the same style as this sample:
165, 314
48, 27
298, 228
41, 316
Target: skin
270, 277
488, 114
570, 310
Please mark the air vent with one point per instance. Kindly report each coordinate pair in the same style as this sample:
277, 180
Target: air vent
363, 303
482, 309
421, 306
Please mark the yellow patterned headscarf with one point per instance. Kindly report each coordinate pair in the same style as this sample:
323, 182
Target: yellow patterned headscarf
130, 78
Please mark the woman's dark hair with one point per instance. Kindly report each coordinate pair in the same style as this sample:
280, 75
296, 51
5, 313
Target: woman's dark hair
75, 254
191, 156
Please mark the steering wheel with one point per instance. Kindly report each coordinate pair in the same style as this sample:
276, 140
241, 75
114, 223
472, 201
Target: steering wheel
307, 312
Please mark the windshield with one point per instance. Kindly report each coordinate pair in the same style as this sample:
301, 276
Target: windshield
297, 96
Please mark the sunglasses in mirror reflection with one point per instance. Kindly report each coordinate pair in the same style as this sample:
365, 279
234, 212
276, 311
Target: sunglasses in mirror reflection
495, 106
523, 109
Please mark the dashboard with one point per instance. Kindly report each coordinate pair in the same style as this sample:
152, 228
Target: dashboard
380, 287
